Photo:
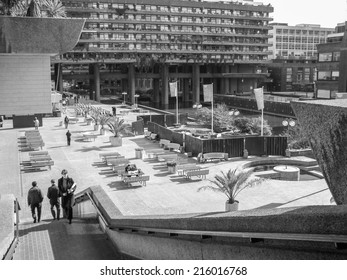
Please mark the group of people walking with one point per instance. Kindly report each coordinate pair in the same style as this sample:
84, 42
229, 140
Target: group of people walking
64, 192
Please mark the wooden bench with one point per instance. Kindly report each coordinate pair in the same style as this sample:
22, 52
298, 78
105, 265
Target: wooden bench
40, 158
73, 120
107, 154
213, 156
198, 173
38, 153
155, 153
153, 136
141, 179
38, 165
112, 158
89, 137
147, 134
118, 161
163, 143
168, 157
119, 169
182, 168
174, 147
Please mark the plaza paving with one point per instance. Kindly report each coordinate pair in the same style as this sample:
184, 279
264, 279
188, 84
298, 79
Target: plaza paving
165, 193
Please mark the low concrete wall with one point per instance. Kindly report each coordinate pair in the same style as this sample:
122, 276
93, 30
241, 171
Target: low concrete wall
6, 223
299, 220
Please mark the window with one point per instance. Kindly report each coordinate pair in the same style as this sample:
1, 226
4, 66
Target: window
336, 56
289, 75
335, 75
324, 75
325, 57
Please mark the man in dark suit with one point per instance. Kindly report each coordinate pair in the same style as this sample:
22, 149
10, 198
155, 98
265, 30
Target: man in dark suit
53, 196
35, 199
67, 188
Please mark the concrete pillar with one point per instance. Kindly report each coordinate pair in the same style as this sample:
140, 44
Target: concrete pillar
196, 83
131, 83
97, 82
165, 86
156, 91
91, 83
58, 77
226, 80
186, 91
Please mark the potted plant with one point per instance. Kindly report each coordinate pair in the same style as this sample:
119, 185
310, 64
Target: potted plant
117, 127
95, 115
171, 166
103, 120
231, 184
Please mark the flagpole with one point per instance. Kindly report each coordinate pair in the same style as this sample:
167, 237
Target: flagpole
212, 110
262, 116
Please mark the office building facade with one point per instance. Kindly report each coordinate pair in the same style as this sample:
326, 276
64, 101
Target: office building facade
332, 65
294, 55
142, 45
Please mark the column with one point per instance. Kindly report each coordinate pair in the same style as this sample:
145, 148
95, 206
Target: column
196, 83
165, 85
91, 83
186, 90
226, 80
131, 83
97, 82
156, 94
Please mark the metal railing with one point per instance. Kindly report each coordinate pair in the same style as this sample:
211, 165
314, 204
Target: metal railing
11, 250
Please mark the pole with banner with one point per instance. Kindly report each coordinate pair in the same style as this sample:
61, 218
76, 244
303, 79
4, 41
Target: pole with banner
259, 97
174, 93
208, 97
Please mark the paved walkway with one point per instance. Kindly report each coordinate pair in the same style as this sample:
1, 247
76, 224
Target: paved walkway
165, 193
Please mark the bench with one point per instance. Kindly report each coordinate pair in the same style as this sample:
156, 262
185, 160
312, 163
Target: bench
141, 179
153, 136
118, 161
163, 143
168, 157
40, 158
198, 173
212, 156
73, 120
119, 169
89, 137
109, 159
182, 168
174, 147
38, 153
108, 154
147, 134
155, 153
38, 165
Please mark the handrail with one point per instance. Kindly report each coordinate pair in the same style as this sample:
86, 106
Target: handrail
97, 210
11, 250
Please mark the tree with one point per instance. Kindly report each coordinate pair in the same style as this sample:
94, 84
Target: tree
35, 8
232, 183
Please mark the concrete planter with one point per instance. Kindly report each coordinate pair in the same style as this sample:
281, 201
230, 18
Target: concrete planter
116, 141
102, 131
231, 207
96, 127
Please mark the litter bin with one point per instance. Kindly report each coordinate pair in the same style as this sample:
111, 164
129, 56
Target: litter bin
138, 152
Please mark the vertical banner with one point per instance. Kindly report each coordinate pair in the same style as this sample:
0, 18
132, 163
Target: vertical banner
208, 93
173, 89
259, 97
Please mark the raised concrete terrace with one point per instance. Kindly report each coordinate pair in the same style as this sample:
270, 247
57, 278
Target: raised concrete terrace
165, 193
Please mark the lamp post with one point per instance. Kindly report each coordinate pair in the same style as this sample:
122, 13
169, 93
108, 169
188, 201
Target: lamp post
288, 123
124, 94
136, 96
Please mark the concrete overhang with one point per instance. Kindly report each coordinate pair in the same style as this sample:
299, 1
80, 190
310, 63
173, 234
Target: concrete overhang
28, 35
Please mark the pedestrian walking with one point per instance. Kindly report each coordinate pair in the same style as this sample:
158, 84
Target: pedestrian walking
35, 199
67, 188
54, 199
36, 123
1, 121
66, 121
68, 137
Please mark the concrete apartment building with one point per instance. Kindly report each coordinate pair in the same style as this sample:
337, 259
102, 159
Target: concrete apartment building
331, 66
294, 55
139, 46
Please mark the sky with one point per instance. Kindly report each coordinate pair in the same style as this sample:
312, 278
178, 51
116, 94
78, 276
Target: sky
327, 13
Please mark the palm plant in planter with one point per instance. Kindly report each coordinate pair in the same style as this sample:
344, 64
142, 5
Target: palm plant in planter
96, 114
103, 120
231, 184
118, 128
171, 166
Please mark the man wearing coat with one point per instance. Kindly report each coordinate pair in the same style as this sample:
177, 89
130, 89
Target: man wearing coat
67, 186
35, 198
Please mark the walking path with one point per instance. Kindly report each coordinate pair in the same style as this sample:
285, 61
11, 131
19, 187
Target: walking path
165, 193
